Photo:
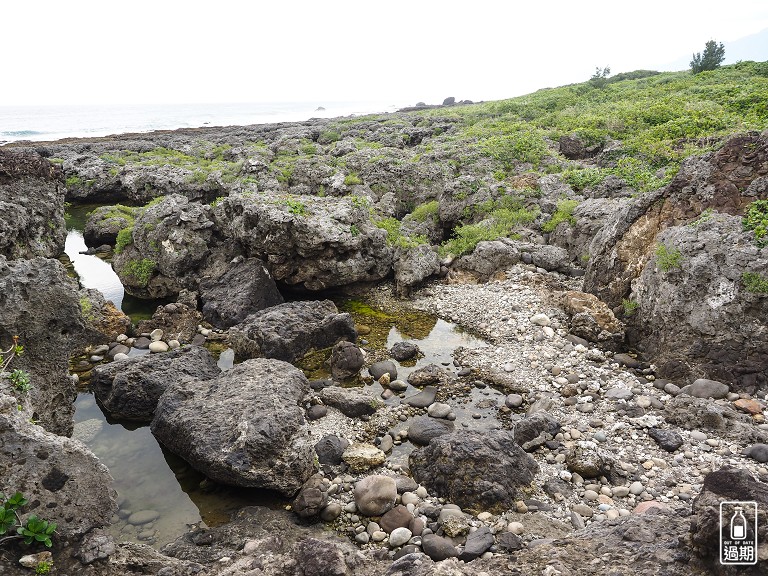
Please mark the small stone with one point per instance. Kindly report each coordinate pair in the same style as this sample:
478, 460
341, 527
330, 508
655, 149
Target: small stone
513, 401
749, 406
173, 344
758, 452
316, 412
668, 440
540, 320
399, 537
590, 495
363, 456
583, 510
156, 335
330, 512
423, 398
643, 401
636, 488
158, 346
437, 547
698, 436
375, 495
143, 517
32, 560
704, 388
362, 538
515, 528
386, 444
619, 393
398, 385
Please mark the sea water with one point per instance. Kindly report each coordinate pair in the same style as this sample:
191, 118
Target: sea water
43, 123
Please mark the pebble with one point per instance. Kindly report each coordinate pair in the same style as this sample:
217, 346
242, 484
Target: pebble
636, 488
158, 346
439, 410
513, 401
156, 335
399, 537
143, 517
540, 320
515, 528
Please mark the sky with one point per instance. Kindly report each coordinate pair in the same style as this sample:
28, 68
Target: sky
170, 51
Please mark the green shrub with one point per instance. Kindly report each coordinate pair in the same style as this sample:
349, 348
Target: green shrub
395, 236
296, 207
756, 219
124, 237
352, 179
73, 182
630, 306
755, 283
564, 213
667, 259
20, 381
713, 56
32, 530
584, 178
426, 210
140, 270
500, 223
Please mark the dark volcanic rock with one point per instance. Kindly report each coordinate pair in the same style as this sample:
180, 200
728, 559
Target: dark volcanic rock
476, 470
669, 440
478, 543
312, 497
64, 482
352, 402
728, 484
40, 303
533, 431
437, 547
403, 351
178, 320
130, 389
428, 376
309, 242
424, 428
243, 428
378, 369
32, 205
244, 289
288, 331
330, 448
346, 360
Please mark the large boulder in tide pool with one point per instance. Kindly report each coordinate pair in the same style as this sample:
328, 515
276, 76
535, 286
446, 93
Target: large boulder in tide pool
130, 389
474, 469
243, 428
244, 289
290, 330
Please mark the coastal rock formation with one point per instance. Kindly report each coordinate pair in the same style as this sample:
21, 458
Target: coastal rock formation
697, 316
101, 316
314, 242
105, 222
476, 470
130, 389
246, 287
174, 244
63, 481
32, 205
288, 331
40, 304
243, 428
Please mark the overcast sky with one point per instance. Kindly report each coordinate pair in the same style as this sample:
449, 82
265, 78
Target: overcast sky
170, 51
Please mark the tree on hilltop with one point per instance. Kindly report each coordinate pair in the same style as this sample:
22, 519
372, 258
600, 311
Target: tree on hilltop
711, 58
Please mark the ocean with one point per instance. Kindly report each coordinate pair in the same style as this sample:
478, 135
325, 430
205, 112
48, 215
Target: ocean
42, 123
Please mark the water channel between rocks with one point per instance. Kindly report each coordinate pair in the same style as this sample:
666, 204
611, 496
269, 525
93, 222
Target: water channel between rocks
161, 496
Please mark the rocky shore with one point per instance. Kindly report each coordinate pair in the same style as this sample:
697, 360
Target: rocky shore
613, 395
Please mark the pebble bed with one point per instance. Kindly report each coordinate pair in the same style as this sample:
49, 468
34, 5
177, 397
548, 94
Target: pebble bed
605, 404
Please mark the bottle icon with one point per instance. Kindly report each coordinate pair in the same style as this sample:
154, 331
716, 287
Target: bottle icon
738, 525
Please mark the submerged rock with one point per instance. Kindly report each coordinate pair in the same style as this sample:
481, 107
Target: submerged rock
243, 428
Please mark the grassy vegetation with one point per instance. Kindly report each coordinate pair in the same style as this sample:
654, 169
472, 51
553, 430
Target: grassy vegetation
141, 270
352, 179
667, 259
124, 238
564, 213
756, 219
755, 283
659, 119
500, 223
426, 211
396, 237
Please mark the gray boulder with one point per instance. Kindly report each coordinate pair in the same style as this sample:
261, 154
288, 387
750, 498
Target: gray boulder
375, 495
63, 481
346, 360
697, 317
243, 428
728, 484
32, 205
476, 470
704, 388
413, 266
288, 331
244, 289
378, 369
130, 389
105, 222
41, 304
352, 402
312, 497
310, 241
423, 429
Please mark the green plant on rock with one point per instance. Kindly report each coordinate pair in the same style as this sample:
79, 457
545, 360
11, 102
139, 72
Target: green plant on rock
564, 213
352, 179
756, 219
33, 529
7, 356
426, 211
43, 567
755, 283
124, 238
630, 306
140, 270
296, 207
395, 236
73, 182
20, 380
667, 259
